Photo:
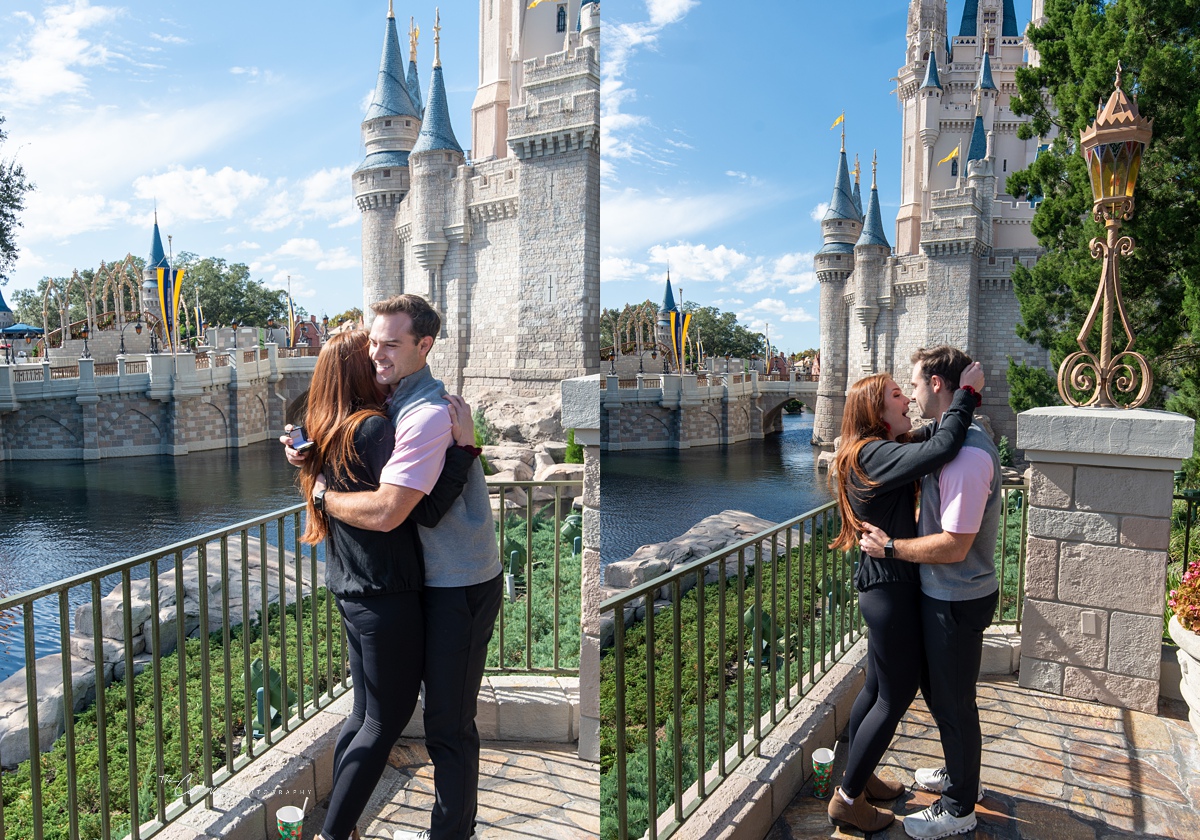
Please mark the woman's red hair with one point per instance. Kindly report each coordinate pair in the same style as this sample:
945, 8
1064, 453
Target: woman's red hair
342, 396
862, 422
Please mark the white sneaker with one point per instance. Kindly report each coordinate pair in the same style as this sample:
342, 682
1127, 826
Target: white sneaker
937, 781
935, 822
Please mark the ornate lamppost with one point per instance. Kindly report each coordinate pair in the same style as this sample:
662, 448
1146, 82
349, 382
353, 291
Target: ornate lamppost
137, 328
1112, 146
84, 332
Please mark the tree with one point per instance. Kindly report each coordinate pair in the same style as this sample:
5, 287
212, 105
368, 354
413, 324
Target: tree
352, 314
227, 293
722, 334
1080, 42
13, 186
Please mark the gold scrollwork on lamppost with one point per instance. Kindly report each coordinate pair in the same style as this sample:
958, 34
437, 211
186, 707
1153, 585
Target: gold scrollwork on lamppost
1112, 147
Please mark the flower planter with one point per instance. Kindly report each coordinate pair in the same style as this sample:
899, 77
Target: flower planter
1189, 666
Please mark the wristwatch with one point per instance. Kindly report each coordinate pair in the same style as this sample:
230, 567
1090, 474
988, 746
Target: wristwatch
889, 549
318, 500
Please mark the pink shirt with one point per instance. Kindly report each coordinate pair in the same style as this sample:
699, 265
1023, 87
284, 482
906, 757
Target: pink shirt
965, 484
422, 438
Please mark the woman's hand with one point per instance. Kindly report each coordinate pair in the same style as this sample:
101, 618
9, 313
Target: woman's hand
972, 377
462, 424
296, 459
872, 540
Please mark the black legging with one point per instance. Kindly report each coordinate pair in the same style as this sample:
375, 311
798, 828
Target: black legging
895, 657
387, 653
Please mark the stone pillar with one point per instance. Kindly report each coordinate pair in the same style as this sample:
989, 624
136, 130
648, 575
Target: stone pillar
612, 414
1096, 551
581, 412
87, 398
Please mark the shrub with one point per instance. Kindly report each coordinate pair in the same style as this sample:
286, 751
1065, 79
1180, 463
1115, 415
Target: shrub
1005, 451
1184, 599
574, 450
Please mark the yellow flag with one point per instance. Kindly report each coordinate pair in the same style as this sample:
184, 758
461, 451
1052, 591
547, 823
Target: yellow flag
533, 3
836, 122
950, 156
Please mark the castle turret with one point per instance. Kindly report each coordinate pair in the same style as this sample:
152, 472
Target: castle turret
414, 78
975, 20
986, 90
434, 162
489, 111
858, 205
6, 315
156, 260
834, 263
870, 258
389, 130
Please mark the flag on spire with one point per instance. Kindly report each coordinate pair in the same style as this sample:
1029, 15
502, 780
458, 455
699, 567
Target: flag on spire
838, 121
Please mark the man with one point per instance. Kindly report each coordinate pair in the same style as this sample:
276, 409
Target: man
463, 582
960, 515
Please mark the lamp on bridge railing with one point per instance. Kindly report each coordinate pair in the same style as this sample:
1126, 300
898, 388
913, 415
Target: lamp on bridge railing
612, 363
137, 328
324, 327
1113, 148
84, 333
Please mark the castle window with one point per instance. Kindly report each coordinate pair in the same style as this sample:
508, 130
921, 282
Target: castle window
387, 123
562, 19
954, 168
387, 173
1005, 164
407, 123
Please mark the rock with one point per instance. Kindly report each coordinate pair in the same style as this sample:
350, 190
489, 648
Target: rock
559, 472
825, 462
522, 419
509, 453
626, 574
541, 460
509, 470
14, 708
556, 449
113, 650
140, 663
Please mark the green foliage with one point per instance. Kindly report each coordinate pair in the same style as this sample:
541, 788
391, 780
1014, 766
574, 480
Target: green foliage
485, 432
719, 331
1157, 42
227, 293
574, 450
533, 610
1005, 451
351, 314
1030, 386
203, 688
13, 186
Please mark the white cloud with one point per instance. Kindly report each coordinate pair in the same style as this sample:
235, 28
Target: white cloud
195, 194
47, 61
326, 194
663, 12
613, 269
337, 259
309, 250
818, 212
168, 39
633, 221
773, 309
244, 71
698, 262
246, 246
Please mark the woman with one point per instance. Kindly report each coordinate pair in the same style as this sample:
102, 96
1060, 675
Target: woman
376, 576
878, 476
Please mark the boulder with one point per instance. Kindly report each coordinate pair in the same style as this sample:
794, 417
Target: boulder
510, 470
14, 708
559, 472
541, 460
509, 453
522, 419
556, 449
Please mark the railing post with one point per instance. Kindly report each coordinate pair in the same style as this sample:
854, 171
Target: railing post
8, 396
581, 412
1100, 496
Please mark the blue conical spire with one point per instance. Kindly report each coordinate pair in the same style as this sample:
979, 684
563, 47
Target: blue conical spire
985, 75
414, 78
978, 150
436, 132
391, 97
931, 73
158, 257
857, 190
841, 206
668, 304
872, 232
3, 305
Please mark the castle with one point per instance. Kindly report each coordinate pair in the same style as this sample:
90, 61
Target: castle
503, 239
958, 235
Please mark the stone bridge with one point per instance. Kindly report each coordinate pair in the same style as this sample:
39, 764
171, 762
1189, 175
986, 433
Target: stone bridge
674, 411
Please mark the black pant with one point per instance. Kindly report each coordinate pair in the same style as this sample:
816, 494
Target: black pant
953, 650
458, 627
895, 657
387, 652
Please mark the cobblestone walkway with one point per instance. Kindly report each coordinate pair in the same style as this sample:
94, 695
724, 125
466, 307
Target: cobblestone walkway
542, 791
1053, 769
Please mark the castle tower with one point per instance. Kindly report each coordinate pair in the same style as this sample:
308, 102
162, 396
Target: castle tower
663, 325
834, 263
156, 260
6, 315
870, 268
389, 130
985, 90
414, 78
1036, 18
434, 160
857, 196
926, 18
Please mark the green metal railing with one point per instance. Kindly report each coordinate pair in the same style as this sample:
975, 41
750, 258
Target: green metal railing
179, 721
707, 659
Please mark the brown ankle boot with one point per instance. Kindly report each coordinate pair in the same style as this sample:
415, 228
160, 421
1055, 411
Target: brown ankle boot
881, 790
861, 815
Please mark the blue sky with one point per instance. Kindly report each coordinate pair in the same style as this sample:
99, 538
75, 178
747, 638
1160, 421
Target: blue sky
242, 119
717, 151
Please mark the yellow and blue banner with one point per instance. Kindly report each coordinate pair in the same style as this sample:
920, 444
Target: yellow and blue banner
169, 286
680, 322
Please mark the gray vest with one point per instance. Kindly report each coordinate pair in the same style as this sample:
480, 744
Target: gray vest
462, 549
974, 577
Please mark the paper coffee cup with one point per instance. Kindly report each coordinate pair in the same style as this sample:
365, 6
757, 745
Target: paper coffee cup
291, 821
822, 771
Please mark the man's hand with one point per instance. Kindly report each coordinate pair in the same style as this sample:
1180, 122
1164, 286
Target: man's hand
462, 424
872, 540
294, 458
972, 377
